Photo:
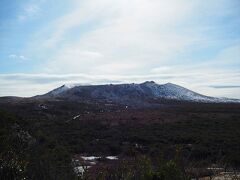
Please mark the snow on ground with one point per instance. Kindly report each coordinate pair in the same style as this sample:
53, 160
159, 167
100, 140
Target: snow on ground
75, 117
82, 163
112, 157
90, 158
79, 170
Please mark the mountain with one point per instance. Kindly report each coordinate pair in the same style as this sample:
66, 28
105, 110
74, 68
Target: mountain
143, 93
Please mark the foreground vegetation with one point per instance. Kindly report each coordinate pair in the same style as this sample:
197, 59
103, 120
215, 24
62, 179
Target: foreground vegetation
41, 145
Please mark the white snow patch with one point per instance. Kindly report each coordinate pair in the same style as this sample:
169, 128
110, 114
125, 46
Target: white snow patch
112, 157
75, 117
90, 158
79, 170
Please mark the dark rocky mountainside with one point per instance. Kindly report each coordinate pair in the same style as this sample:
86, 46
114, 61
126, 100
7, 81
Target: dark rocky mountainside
131, 93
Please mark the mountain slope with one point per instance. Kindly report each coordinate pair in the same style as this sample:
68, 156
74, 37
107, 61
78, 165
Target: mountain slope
131, 93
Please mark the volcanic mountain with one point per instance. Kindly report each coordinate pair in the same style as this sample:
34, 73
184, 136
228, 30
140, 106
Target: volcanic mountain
130, 94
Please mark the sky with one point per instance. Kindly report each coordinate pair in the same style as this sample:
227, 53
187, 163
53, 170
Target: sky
48, 43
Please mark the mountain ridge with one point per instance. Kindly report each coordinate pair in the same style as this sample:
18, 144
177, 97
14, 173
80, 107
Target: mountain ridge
132, 93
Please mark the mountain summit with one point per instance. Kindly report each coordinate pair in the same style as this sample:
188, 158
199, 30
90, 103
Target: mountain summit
131, 93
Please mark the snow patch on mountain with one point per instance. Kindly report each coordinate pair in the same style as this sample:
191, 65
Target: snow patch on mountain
135, 93
65, 88
59, 90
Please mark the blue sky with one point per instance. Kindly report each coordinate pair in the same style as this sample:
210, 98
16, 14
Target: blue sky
47, 43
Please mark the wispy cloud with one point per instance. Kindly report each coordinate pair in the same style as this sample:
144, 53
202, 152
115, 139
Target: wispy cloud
18, 57
132, 34
29, 11
224, 87
141, 33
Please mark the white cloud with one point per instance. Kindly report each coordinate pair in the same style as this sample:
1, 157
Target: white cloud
12, 56
18, 57
129, 32
142, 32
30, 11
23, 57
